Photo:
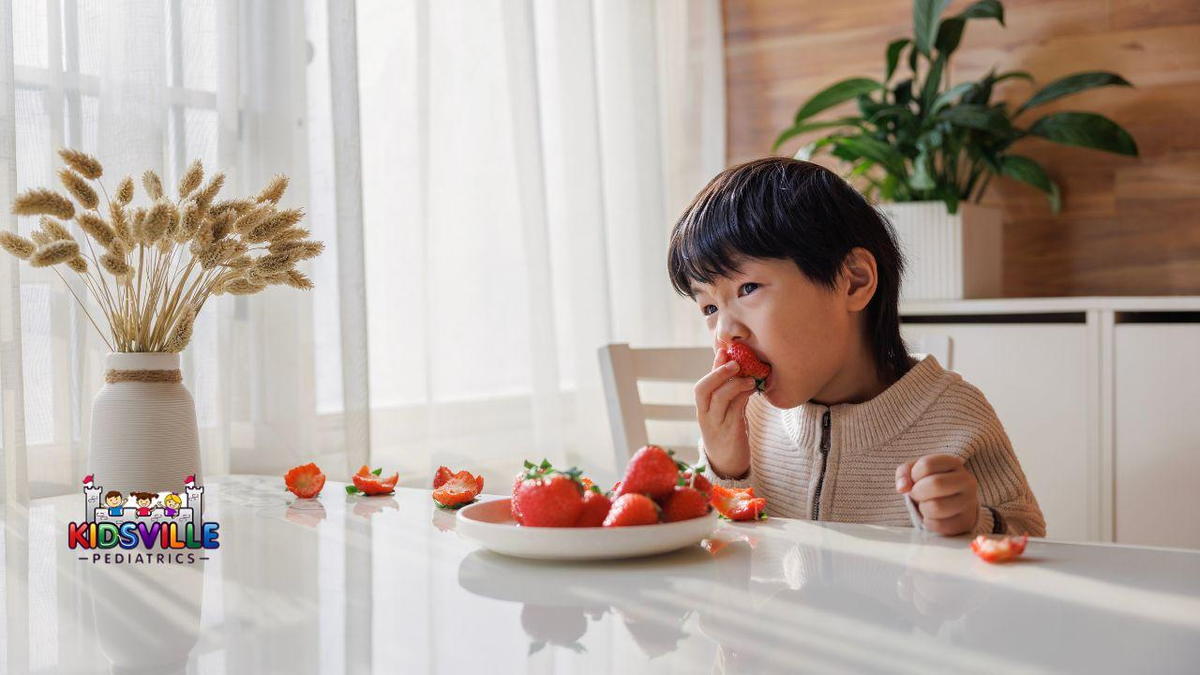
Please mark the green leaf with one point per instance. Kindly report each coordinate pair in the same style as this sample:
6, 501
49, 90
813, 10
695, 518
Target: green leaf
946, 97
926, 14
873, 149
893, 56
1086, 130
811, 126
933, 80
950, 35
981, 117
1028, 171
1073, 84
1022, 74
985, 9
835, 94
922, 178
350, 490
903, 91
378, 471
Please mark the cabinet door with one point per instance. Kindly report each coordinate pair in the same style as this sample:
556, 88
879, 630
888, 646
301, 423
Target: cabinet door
1036, 377
1157, 434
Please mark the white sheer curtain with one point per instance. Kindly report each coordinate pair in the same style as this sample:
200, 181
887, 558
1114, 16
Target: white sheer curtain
494, 179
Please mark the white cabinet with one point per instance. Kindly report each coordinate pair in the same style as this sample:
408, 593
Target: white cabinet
1157, 433
1036, 377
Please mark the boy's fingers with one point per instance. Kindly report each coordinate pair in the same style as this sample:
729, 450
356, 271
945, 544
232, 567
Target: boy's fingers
724, 395
937, 486
737, 408
707, 384
904, 480
931, 464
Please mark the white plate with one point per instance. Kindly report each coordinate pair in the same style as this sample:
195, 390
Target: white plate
490, 525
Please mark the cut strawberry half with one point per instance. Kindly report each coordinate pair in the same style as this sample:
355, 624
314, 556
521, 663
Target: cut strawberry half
998, 549
443, 474
738, 503
305, 481
459, 490
370, 483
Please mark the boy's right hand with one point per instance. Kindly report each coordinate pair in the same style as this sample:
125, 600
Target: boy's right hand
721, 398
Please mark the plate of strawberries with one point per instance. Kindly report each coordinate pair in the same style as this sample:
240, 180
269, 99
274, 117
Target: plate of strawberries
659, 505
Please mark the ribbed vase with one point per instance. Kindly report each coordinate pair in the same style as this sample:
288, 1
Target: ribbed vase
144, 434
949, 257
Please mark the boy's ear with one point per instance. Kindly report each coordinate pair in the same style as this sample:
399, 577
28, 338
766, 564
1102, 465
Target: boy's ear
859, 278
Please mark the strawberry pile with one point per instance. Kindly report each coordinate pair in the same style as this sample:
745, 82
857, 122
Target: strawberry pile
654, 489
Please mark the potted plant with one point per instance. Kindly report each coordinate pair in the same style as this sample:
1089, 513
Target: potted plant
927, 149
150, 270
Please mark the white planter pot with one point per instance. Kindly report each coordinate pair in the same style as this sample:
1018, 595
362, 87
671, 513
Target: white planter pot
144, 434
949, 257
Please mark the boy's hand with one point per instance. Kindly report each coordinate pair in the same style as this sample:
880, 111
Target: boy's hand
721, 399
946, 493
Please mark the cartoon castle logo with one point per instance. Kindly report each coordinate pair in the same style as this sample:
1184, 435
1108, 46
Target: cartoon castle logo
166, 520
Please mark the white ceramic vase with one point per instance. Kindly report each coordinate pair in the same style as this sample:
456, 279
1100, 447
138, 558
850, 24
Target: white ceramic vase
144, 435
950, 257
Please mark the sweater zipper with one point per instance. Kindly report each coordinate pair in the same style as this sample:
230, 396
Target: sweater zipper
816, 508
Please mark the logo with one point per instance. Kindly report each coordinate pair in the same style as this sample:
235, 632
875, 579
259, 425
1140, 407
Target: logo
170, 526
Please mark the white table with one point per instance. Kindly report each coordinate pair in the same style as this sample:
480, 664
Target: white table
384, 585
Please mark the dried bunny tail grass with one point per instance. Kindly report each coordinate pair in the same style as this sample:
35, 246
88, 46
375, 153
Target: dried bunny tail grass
236, 205
182, 333
290, 234
79, 189
95, 227
153, 184
272, 263
276, 222
157, 220
219, 252
191, 178
40, 201
55, 229
221, 225
115, 264
78, 264
85, 164
241, 262
54, 253
120, 224
173, 219
189, 222
298, 280
16, 244
299, 250
125, 191
205, 196
120, 248
240, 286
274, 190
40, 238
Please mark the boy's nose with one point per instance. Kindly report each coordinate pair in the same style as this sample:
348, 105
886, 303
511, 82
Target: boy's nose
729, 330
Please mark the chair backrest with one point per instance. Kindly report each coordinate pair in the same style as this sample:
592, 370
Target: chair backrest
622, 367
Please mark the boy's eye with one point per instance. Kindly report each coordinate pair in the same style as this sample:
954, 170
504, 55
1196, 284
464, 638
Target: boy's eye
747, 288
708, 309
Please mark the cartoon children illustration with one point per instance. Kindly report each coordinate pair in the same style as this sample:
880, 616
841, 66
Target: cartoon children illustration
171, 504
143, 502
115, 502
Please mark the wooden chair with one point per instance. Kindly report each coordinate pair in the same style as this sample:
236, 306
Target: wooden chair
622, 367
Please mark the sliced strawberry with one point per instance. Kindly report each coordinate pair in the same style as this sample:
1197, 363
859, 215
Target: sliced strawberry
632, 509
998, 549
443, 474
738, 503
685, 503
305, 481
370, 483
651, 471
458, 490
748, 363
595, 508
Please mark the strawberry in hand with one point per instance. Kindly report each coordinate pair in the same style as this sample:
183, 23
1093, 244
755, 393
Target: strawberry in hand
305, 481
456, 490
369, 483
738, 503
748, 363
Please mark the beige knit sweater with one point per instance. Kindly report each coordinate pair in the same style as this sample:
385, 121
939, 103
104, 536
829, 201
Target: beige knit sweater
927, 411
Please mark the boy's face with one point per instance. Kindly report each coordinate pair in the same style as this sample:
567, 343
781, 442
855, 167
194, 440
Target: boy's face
806, 332
114, 501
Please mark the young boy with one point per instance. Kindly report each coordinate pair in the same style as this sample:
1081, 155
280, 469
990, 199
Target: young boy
786, 258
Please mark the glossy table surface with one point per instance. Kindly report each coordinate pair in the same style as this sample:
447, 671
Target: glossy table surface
383, 584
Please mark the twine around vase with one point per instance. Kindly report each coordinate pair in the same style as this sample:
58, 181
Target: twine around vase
114, 376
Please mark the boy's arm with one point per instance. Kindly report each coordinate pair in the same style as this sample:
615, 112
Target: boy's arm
1007, 504
742, 481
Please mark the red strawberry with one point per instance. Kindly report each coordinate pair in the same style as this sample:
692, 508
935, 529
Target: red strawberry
305, 481
685, 503
443, 474
369, 482
459, 490
696, 480
553, 500
595, 509
738, 504
651, 472
748, 363
632, 509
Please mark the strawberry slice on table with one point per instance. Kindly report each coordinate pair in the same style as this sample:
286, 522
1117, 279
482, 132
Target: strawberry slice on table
685, 503
998, 549
305, 481
370, 483
632, 509
748, 363
442, 475
547, 497
458, 490
596, 506
738, 503
651, 471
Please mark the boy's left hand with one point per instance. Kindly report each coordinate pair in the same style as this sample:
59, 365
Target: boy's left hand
946, 493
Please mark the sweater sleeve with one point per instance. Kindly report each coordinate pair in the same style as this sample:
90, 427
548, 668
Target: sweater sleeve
716, 479
1003, 490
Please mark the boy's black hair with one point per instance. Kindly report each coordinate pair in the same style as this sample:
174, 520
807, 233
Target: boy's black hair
789, 209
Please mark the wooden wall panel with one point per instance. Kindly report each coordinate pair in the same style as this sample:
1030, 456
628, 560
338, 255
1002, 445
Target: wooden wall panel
1130, 226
